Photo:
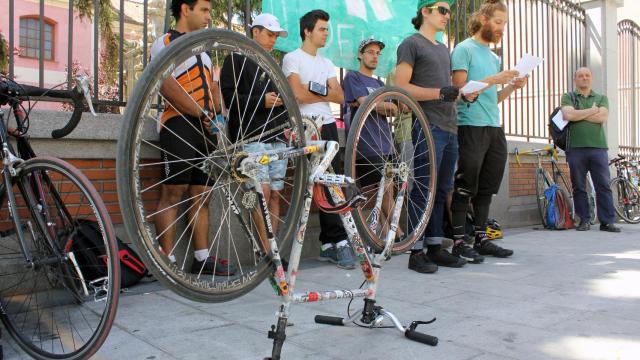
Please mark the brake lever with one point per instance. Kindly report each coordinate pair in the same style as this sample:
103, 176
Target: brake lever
82, 82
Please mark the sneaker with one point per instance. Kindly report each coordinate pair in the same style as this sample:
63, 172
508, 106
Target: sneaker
213, 265
328, 255
584, 225
421, 263
463, 251
442, 257
489, 248
346, 259
609, 228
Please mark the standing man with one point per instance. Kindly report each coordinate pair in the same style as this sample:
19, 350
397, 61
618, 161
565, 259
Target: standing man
375, 145
587, 150
255, 108
481, 139
315, 84
192, 100
424, 70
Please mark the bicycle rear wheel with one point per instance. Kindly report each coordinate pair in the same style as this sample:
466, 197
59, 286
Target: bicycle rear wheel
380, 146
563, 182
543, 181
626, 200
229, 203
50, 306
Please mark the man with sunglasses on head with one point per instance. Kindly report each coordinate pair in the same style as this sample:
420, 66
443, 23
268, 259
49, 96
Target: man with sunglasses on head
255, 107
424, 70
375, 145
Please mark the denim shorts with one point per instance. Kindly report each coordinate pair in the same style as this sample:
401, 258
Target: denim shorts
273, 173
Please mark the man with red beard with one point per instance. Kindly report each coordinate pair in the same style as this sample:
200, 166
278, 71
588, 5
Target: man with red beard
482, 143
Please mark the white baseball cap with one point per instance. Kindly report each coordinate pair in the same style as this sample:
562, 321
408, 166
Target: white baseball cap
270, 23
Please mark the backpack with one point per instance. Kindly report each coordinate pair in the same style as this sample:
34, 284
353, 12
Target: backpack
557, 212
560, 137
88, 249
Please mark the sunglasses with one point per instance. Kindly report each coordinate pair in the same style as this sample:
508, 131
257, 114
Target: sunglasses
441, 9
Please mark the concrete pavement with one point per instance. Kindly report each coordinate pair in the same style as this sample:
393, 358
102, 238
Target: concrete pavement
563, 295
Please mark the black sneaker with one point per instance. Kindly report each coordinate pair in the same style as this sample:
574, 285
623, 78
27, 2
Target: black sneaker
463, 251
609, 228
489, 248
442, 257
585, 225
212, 265
421, 263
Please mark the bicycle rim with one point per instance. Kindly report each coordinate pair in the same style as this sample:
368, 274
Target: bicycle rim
233, 231
626, 200
382, 147
51, 308
542, 183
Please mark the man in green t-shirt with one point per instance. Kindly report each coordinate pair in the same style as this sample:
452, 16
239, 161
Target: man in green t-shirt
587, 150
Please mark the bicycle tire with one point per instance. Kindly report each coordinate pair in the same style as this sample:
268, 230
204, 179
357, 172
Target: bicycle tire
364, 159
76, 326
239, 247
542, 183
626, 200
561, 179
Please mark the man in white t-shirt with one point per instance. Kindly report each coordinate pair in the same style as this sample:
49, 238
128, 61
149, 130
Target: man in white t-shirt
315, 84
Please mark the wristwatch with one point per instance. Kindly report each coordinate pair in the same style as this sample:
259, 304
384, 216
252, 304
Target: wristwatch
205, 115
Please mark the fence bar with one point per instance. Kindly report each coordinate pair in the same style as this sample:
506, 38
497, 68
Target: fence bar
12, 44
96, 46
145, 35
229, 13
121, 53
41, 45
70, 47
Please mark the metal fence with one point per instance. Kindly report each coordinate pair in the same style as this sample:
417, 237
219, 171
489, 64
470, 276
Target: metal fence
154, 18
629, 88
552, 29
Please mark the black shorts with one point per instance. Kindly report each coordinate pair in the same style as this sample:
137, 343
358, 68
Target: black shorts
184, 145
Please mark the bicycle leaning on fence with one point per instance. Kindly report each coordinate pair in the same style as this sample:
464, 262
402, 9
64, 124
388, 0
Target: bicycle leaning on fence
626, 195
564, 211
236, 198
51, 304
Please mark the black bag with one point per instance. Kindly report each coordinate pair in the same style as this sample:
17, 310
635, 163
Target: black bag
88, 249
560, 137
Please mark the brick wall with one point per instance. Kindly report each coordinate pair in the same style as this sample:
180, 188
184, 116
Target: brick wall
522, 177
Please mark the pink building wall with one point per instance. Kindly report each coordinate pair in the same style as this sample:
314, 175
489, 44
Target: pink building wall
26, 69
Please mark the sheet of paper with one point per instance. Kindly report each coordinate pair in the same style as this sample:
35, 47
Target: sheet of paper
527, 64
559, 120
473, 86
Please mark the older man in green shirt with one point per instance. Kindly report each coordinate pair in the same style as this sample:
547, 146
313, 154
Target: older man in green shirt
587, 150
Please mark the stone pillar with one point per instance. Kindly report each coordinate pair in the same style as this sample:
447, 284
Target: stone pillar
602, 58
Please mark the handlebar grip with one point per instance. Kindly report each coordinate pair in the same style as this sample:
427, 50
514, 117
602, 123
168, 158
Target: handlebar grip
28, 90
78, 106
329, 320
421, 337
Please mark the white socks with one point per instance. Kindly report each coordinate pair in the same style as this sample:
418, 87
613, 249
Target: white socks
201, 255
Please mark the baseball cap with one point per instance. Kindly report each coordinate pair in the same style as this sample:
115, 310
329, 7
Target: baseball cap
423, 3
366, 42
270, 23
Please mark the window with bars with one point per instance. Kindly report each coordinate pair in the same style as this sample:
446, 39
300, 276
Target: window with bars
30, 38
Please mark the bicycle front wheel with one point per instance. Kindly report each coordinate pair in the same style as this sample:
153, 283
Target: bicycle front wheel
390, 153
221, 210
626, 200
52, 305
543, 181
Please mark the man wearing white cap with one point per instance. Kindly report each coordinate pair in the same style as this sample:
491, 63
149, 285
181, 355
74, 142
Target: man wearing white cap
254, 108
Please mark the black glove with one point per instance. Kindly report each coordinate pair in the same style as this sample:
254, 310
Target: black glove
449, 93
